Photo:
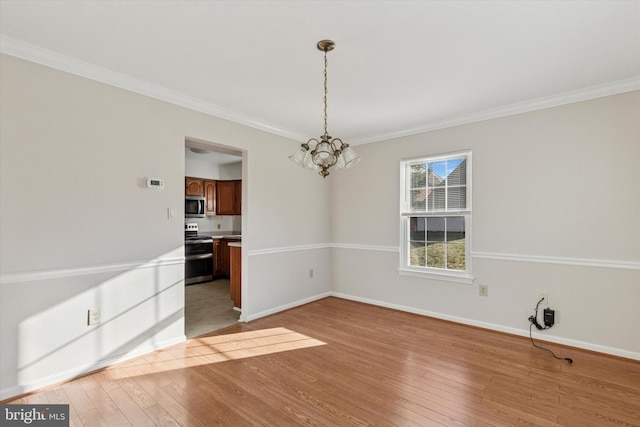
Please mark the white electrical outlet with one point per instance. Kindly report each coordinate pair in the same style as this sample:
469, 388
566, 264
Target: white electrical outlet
311, 273
483, 290
545, 297
95, 316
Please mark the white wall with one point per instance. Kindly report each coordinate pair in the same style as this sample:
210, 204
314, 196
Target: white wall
556, 208
230, 171
78, 230
208, 167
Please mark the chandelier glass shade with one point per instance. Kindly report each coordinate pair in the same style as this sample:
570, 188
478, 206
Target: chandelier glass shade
321, 155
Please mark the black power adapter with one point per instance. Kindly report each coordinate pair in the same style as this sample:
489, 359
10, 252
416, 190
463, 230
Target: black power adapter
549, 317
549, 320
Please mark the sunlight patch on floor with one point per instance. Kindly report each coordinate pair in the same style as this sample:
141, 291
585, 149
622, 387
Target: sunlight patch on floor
220, 348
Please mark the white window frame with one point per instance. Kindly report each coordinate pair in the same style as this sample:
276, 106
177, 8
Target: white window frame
405, 269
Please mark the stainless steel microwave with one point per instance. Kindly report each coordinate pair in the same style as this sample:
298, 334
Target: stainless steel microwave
194, 207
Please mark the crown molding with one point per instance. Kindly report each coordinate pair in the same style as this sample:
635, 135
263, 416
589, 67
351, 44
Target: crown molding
33, 53
39, 55
599, 91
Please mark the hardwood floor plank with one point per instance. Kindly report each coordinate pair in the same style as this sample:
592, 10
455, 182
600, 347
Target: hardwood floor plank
198, 410
335, 362
106, 380
251, 409
58, 395
174, 404
55, 394
80, 401
362, 394
305, 390
107, 408
92, 418
605, 406
519, 416
160, 417
135, 392
88, 382
524, 388
133, 413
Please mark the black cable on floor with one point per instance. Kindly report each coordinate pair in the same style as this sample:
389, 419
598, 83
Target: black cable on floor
533, 320
546, 349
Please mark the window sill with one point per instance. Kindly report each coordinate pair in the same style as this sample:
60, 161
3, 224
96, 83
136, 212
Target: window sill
447, 277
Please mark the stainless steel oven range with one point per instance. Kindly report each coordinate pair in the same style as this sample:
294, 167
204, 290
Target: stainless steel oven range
198, 251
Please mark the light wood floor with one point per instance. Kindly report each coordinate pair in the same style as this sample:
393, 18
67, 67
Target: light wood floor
340, 363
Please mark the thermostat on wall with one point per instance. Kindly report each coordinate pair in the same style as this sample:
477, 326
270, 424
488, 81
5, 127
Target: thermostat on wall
154, 183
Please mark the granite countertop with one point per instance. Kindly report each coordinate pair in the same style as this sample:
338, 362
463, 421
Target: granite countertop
236, 244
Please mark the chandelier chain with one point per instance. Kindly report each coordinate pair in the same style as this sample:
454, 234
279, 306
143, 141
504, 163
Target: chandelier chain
325, 93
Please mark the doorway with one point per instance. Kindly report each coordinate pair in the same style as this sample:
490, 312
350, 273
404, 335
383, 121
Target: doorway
208, 305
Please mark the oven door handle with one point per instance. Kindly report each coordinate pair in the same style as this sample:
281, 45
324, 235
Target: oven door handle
192, 242
201, 256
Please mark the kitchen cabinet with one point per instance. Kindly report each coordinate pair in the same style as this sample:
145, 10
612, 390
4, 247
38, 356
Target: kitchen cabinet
237, 196
222, 197
218, 257
210, 196
221, 257
235, 254
193, 186
229, 197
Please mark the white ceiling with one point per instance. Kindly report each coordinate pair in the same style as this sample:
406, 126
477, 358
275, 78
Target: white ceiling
399, 67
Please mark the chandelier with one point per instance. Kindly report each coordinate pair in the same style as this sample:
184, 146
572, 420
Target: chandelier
327, 152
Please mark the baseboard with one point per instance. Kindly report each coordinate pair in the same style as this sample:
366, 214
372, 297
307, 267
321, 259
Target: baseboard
496, 327
285, 307
67, 375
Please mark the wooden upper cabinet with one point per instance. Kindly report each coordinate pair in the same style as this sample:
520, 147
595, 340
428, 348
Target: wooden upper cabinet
222, 197
228, 197
210, 196
237, 196
193, 186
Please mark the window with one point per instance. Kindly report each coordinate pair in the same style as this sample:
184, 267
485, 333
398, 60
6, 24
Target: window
436, 216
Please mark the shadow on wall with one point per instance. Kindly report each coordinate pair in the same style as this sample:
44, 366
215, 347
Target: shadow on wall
45, 330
